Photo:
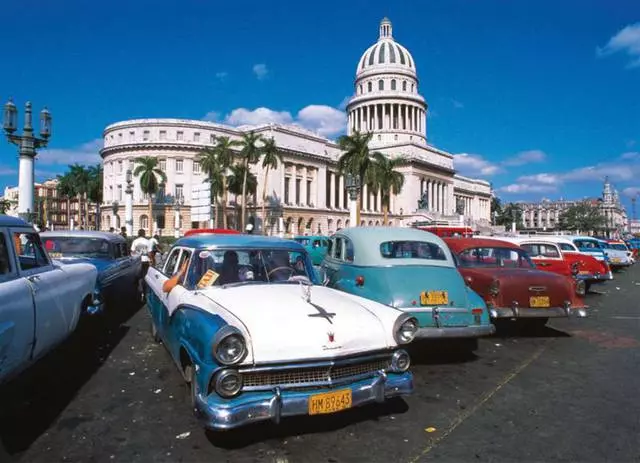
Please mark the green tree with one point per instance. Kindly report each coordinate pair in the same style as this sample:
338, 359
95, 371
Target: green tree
241, 182
215, 176
149, 172
383, 177
94, 190
496, 209
584, 216
215, 162
67, 189
509, 213
270, 161
79, 176
5, 205
356, 159
249, 154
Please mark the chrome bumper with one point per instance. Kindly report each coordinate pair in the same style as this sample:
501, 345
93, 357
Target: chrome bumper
228, 414
456, 332
527, 312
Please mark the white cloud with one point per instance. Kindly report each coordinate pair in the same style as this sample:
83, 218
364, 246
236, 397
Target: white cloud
343, 103
522, 188
631, 192
456, 104
526, 157
324, 120
261, 71
474, 165
627, 41
222, 75
7, 171
544, 178
87, 154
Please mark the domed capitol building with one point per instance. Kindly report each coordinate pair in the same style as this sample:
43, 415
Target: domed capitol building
306, 192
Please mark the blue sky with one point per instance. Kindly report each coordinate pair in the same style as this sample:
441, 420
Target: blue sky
539, 97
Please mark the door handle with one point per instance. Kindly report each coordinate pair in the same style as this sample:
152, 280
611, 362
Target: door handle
33, 278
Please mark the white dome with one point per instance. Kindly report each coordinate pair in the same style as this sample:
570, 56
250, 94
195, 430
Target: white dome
386, 53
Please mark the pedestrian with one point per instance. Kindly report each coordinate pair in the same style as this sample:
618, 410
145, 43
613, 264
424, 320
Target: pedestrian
155, 249
112, 230
249, 229
123, 232
141, 246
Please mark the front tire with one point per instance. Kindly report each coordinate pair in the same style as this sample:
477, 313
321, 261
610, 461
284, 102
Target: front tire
190, 377
154, 332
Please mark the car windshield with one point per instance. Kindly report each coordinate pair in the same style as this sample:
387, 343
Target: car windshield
489, 257
412, 250
73, 246
587, 244
541, 250
619, 247
243, 266
566, 247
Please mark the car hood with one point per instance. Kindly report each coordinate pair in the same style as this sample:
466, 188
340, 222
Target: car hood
283, 326
99, 263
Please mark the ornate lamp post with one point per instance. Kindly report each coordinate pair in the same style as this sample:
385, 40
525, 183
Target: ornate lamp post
179, 202
114, 217
27, 144
128, 205
352, 184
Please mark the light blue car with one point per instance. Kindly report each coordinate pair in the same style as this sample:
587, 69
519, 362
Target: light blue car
411, 270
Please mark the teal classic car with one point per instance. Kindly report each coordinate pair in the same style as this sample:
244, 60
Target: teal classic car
411, 270
316, 247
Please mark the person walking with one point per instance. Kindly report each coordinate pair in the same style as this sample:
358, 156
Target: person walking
123, 232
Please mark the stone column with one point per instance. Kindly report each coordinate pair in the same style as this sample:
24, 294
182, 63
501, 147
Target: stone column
303, 186
341, 192
364, 195
332, 190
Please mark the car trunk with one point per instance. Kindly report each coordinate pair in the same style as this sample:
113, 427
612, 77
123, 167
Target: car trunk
532, 288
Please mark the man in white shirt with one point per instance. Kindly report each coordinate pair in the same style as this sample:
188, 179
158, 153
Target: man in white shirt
141, 246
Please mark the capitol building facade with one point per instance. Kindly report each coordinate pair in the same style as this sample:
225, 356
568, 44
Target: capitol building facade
306, 192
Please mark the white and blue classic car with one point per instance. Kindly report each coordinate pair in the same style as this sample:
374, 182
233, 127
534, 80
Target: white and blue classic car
258, 338
119, 272
41, 301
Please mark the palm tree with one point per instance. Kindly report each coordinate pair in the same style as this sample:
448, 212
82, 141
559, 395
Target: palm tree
384, 177
5, 205
148, 170
79, 175
269, 161
215, 176
249, 154
223, 155
67, 189
241, 179
356, 159
94, 189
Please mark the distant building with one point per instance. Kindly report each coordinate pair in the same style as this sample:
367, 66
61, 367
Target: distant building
545, 215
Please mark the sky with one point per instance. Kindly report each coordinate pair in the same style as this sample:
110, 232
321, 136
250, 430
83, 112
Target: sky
541, 98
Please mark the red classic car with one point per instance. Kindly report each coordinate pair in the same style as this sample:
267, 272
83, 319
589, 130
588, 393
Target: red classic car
511, 285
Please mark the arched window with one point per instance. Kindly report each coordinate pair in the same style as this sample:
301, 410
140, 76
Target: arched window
404, 86
144, 221
360, 89
412, 87
393, 84
369, 87
381, 84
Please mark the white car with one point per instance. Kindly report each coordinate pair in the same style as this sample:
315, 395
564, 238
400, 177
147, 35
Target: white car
258, 338
41, 301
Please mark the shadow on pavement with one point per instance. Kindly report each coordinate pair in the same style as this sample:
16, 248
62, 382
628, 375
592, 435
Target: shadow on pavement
299, 425
509, 329
443, 351
32, 402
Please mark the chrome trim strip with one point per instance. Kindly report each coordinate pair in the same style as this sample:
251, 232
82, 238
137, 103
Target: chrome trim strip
317, 384
319, 364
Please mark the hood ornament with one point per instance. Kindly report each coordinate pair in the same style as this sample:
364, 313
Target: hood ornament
306, 292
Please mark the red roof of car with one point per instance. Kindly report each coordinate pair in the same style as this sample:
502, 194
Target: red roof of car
214, 231
460, 244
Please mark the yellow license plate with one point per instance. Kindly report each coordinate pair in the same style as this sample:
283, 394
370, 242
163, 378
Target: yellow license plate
330, 402
615, 259
583, 272
539, 301
434, 298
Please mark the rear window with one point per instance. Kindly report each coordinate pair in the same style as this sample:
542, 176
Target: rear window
566, 247
587, 244
412, 250
541, 250
303, 241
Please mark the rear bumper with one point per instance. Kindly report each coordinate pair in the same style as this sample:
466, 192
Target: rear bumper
455, 332
594, 277
229, 414
527, 312
619, 265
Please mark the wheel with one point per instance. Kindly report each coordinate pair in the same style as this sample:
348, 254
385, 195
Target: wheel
154, 332
587, 286
190, 378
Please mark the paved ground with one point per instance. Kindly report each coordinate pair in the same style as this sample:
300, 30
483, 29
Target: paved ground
568, 392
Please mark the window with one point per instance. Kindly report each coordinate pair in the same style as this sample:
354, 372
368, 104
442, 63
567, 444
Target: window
298, 182
360, 89
412, 250
163, 165
196, 136
541, 250
412, 87
393, 84
287, 180
145, 135
86, 247
337, 248
196, 167
119, 167
119, 192
348, 247
161, 222
494, 257
308, 198
212, 139
120, 137
179, 192
144, 221
381, 84
124, 249
29, 250
329, 248
170, 264
404, 86
132, 136
179, 165
369, 87
163, 135
179, 135
5, 263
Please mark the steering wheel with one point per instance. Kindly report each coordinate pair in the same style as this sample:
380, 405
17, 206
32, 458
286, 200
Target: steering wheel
280, 268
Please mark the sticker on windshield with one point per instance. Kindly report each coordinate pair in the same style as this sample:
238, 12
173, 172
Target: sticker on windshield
207, 279
55, 255
204, 254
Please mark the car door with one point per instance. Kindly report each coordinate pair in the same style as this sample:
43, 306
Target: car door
331, 264
17, 313
54, 319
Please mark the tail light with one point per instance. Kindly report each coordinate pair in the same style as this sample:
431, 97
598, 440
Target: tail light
477, 316
359, 280
575, 268
494, 288
476, 311
468, 281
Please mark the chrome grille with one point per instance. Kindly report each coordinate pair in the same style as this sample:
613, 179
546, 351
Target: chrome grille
325, 375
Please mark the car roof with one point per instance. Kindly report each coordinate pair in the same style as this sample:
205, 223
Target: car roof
460, 244
237, 241
366, 245
10, 221
309, 237
83, 234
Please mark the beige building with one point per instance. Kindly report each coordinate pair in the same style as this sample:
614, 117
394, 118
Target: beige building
306, 194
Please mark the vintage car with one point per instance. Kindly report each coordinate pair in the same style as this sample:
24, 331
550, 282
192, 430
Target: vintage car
119, 272
411, 270
588, 245
504, 275
316, 247
620, 245
41, 301
618, 258
258, 338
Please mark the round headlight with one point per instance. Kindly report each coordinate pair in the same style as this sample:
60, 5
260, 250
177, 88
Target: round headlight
581, 288
400, 361
405, 329
228, 383
229, 346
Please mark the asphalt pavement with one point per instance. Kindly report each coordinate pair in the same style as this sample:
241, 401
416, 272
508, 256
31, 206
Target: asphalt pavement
568, 392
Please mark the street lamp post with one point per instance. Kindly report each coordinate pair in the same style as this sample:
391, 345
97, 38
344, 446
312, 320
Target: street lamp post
114, 217
514, 216
179, 202
27, 143
128, 206
352, 184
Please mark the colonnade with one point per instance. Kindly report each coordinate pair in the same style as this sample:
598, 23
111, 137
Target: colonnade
387, 116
